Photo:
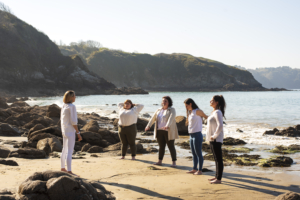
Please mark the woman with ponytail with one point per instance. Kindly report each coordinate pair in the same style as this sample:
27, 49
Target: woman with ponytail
194, 123
215, 134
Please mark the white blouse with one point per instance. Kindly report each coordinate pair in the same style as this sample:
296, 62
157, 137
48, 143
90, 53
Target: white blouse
195, 122
215, 126
68, 118
161, 122
130, 116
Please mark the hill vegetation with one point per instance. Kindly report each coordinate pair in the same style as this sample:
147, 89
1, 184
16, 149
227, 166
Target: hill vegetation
174, 72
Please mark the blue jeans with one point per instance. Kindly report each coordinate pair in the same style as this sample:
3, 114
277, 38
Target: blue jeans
196, 140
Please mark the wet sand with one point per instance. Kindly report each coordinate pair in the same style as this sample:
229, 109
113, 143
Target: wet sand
134, 180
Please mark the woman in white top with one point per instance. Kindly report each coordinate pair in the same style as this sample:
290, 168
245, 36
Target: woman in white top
69, 127
128, 115
215, 134
165, 130
194, 122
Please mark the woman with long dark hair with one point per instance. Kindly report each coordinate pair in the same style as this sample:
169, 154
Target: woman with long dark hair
128, 114
215, 134
165, 130
194, 122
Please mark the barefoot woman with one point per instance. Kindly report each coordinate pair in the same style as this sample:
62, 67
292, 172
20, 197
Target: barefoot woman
69, 128
194, 122
165, 130
128, 114
215, 134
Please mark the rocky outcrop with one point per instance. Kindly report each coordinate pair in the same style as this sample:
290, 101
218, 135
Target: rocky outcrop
28, 153
53, 111
288, 196
92, 126
19, 104
233, 141
4, 152
55, 185
287, 132
7, 130
8, 162
181, 126
3, 103
278, 161
49, 145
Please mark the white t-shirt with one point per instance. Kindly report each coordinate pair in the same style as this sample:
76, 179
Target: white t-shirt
195, 122
68, 118
160, 122
215, 126
129, 117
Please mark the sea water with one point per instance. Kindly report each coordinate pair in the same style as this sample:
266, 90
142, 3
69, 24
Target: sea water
251, 112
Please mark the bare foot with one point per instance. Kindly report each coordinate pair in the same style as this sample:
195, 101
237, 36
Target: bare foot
123, 157
63, 170
133, 158
158, 163
192, 171
70, 172
212, 179
198, 173
216, 182
174, 164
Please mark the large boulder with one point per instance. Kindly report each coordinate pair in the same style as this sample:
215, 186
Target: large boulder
20, 119
181, 126
19, 104
95, 149
86, 147
277, 161
92, 126
8, 162
28, 153
7, 130
4, 152
109, 136
11, 99
41, 136
36, 128
54, 130
54, 185
91, 137
3, 103
288, 196
49, 145
287, 132
232, 141
45, 121
53, 111
4, 113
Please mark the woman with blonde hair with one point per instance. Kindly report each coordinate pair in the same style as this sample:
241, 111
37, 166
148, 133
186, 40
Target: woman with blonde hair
69, 130
128, 115
165, 130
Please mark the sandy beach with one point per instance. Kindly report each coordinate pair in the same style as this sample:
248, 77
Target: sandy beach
135, 180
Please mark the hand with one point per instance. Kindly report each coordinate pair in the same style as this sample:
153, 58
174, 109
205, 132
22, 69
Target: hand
212, 138
79, 137
165, 128
147, 129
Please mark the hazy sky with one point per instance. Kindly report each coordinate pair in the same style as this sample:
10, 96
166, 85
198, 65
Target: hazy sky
250, 33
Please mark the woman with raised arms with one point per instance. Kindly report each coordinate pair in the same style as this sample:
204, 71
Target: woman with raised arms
128, 115
165, 130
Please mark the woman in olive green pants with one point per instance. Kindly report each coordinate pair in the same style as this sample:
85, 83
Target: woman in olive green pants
165, 130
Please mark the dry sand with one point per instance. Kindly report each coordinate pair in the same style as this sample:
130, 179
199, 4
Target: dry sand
134, 180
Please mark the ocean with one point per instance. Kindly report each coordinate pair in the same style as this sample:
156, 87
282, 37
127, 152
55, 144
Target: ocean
252, 112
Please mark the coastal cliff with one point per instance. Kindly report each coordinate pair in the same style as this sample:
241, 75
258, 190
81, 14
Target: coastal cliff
32, 65
164, 72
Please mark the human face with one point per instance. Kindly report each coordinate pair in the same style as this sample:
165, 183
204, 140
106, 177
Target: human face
188, 106
73, 98
165, 103
213, 103
127, 105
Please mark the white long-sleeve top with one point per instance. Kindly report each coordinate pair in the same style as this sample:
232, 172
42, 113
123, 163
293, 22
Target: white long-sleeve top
215, 126
130, 116
68, 118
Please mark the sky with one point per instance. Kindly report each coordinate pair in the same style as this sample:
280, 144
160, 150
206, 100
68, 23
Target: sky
249, 33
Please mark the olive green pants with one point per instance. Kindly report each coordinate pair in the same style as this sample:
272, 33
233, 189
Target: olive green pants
162, 139
127, 136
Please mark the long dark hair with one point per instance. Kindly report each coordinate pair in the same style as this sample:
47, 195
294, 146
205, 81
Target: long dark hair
221, 103
194, 106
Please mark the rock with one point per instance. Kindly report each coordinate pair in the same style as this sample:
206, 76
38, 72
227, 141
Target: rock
51, 185
95, 149
184, 144
139, 148
288, 196
86, 147
20, 119
148, 133
114, 147
19, 104
54, 130
28, 153
278, 161
146, 115
92, 126
4, 152
24, 99
36, 128
286, 150
271, 132
151, 150
239, 130
109, 136
49, 145
92, 138
40, 136
147, 141
53, 111
114, 112
288, 132
232, 141
8, 162
297, 127
237, 149
3, 103
155, 104
11, 99
45, 121
7, 130
181, 126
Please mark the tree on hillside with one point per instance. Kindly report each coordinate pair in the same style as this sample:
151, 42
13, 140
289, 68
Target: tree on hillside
5, 8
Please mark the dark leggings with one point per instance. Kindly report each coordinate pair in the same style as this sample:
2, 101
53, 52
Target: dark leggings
162, 139
216, 148
127, 136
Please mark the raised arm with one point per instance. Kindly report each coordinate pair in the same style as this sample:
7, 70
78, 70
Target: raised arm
219, 119
139, 107
120, 105
201, 114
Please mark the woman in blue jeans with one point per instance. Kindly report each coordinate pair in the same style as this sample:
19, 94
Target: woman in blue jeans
194, 122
